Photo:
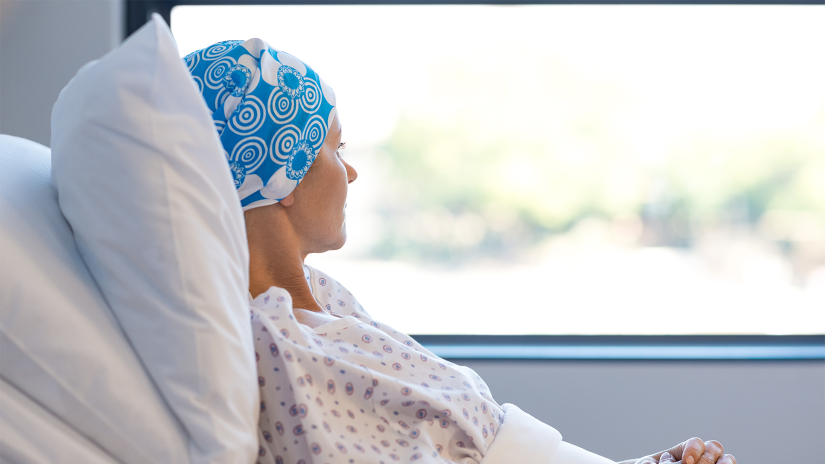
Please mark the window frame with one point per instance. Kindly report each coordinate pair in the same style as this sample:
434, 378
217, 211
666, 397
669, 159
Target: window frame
627, 347
560, 347
139, 11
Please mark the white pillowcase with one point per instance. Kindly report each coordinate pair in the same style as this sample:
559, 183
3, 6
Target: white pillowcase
59, 342
32, 435
142, 179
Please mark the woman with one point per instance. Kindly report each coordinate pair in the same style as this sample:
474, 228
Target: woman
336, 385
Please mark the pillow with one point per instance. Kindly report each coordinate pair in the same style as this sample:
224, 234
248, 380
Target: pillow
31, 434
58, 340
143, 181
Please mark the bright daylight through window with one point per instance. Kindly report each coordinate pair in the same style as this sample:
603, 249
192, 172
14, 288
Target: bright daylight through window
570, 169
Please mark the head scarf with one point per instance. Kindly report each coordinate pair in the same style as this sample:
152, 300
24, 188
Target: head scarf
272, 113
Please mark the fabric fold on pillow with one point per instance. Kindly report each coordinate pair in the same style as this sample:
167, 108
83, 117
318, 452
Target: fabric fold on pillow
142, 179
59, 342
29, 433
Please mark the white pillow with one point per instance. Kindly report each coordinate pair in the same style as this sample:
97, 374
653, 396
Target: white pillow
58, 340
32, 435
142, 179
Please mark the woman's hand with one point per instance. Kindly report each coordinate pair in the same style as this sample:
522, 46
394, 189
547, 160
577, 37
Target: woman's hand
693, 451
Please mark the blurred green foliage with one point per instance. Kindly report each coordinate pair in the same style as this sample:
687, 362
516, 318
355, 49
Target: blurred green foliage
472, 177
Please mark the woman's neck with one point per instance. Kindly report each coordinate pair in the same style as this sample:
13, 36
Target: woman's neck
276, 259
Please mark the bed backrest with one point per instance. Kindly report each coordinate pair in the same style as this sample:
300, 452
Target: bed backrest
59, 343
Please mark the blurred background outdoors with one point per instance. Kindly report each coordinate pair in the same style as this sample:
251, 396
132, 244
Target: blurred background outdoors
570, 169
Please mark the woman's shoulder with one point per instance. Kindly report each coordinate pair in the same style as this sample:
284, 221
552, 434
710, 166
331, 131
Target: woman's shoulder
332, 295
341, 302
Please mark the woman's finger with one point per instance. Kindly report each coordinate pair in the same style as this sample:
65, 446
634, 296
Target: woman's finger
688, 451
666, 457
726, 459
713, 451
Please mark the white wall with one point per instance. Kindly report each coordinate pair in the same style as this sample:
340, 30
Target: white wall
42, 45
763, 412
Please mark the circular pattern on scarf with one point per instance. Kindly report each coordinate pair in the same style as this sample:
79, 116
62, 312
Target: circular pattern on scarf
300, 160
283, 143
249, 117
215, 72
280, 101
250, 152
220, 97
198, 82
219, 126
220, 49
236, 79
192, 60
315, 131
290, 81
281, 108
311, 98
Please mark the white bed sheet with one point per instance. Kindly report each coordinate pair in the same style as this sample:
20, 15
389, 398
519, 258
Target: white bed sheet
59, 342
31, 434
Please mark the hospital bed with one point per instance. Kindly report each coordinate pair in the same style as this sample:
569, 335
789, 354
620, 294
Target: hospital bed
120, 339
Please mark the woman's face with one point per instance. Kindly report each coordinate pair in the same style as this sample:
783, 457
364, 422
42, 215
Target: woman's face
318, 210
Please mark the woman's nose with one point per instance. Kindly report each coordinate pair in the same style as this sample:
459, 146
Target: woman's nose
352, 174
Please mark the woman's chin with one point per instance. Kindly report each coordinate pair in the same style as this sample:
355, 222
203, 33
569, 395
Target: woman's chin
342, 237
339, 241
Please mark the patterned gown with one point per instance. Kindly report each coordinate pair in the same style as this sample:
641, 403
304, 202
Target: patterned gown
356, 391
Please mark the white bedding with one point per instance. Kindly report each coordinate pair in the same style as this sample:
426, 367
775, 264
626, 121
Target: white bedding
31, 434
142, 179
59, 342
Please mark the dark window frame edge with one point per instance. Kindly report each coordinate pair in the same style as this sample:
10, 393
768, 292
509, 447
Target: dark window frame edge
138, 12
627, 347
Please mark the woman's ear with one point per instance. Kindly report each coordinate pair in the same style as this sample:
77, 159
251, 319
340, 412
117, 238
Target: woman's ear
288, 200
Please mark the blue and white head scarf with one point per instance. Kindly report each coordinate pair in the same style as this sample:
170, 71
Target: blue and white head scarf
272, 113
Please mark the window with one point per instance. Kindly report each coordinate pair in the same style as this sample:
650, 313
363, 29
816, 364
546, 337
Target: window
552, 169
